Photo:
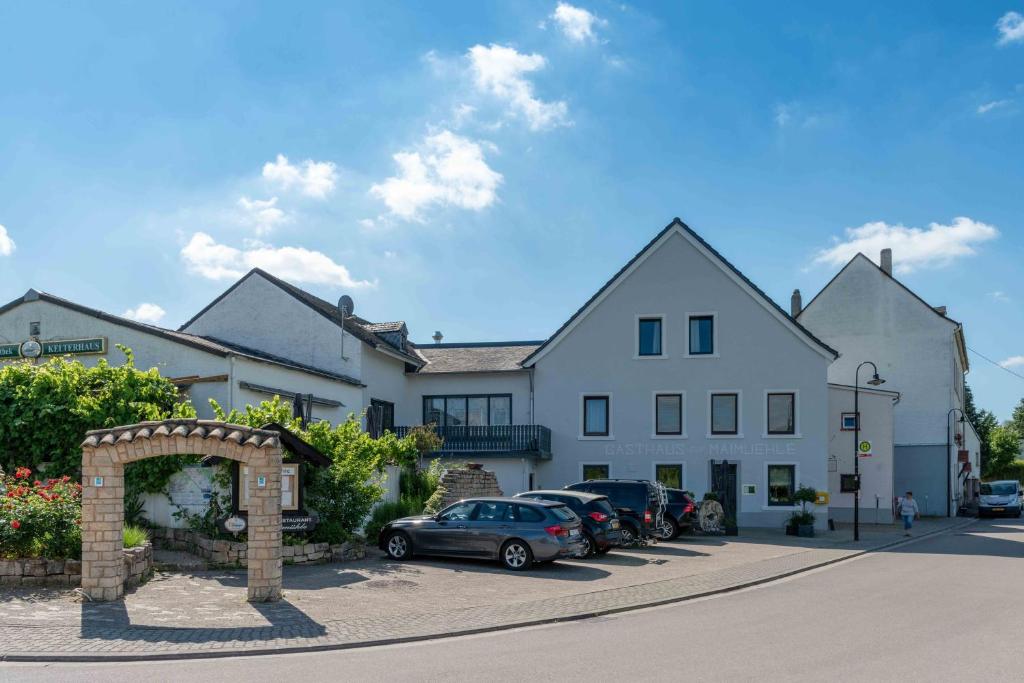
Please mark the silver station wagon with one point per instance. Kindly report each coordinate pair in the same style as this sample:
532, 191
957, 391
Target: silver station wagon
515, 531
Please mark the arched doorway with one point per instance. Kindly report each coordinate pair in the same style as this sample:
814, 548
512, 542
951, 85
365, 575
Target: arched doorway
104, 455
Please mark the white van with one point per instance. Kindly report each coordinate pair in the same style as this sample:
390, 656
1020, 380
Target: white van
1000, 498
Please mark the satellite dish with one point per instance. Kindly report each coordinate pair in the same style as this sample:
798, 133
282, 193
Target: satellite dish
346, 305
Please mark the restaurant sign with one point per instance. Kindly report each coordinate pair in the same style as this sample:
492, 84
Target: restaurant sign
57, 347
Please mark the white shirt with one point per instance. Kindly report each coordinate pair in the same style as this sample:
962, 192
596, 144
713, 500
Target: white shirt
908, 506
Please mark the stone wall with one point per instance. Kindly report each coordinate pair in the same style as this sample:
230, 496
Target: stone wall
234, 553
469, 482
138, 568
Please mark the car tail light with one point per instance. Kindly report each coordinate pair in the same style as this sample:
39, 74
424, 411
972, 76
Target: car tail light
647, 516
598, 516
556, 530
688, 509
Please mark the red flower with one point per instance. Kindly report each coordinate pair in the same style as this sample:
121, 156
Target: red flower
22, 473
15, 524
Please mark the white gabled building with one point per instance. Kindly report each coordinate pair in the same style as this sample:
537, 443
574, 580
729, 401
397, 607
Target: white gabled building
869, 315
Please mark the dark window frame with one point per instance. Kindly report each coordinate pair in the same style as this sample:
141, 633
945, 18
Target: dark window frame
676, 465
768, 484
427, 398
842, 422
657, 414
736, 413
607, 414
585, 465
689, 334
387, 419
661, 336
768, 413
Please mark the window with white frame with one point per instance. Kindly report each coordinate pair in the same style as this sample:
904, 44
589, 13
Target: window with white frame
781, 418
596, 417
781, 485
725, 413
650, 337
668, 414
849, 422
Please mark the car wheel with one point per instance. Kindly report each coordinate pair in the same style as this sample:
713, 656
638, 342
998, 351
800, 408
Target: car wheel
516, 555
398, 546
603, 551
628, 536
589, 545
668, 530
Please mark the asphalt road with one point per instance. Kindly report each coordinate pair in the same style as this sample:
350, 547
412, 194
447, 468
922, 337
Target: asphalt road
946, 607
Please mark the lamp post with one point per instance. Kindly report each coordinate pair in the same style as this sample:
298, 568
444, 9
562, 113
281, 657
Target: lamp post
949, 465
874, 381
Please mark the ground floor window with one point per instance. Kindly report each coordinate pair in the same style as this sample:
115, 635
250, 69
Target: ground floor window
596, 472
669, 474
781, 484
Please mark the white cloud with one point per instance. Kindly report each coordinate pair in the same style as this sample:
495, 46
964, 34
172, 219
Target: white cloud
7, 245
262, 213
1013, 362
989, 106
462, 113
205, 257
1011, 28
145, 313
577, 23
500, 71
913, 248
446, 170
312, 178
782, 115
999, 296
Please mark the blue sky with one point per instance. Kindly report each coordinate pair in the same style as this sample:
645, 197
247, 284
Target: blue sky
482, 168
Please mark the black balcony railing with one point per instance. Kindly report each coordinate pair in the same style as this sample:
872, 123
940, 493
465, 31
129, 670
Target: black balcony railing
529, 440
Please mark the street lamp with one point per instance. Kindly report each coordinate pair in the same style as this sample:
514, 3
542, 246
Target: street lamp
949, 466
874, 381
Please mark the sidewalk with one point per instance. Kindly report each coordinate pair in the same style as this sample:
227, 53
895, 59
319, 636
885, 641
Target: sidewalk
376, 601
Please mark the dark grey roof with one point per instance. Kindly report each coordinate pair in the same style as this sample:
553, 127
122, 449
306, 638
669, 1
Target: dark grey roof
676, 222
211, 345
354, 325
475, 357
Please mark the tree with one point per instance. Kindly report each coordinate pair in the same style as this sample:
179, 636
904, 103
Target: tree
1004, 443
1017, 419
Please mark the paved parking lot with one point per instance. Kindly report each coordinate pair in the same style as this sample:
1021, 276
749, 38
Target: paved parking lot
377, 599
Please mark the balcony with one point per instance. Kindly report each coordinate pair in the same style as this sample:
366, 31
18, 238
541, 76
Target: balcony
520, 441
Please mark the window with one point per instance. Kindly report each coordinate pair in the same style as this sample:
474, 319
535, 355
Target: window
596, 472
529, 514
383, 416
669, 475
649, 337
702, 335
491, 512
460, 512
849, 423
781, 484
477, 410
595, 416
668, 414
724, 413
782, 413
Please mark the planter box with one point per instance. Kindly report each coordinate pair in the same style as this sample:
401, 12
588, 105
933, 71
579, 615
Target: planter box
791, 530
805, 530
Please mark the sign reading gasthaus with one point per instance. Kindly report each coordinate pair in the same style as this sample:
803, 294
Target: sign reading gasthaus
57, 347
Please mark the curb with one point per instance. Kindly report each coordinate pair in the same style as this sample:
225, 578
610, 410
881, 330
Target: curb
214, 654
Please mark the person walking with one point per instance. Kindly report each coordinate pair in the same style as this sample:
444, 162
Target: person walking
909, 512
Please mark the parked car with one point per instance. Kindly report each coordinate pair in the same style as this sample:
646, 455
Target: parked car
600, 523
515, 531
679, 514
1000, 498
636, 501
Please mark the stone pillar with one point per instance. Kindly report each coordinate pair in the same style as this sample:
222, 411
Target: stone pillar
102, 526
264, 552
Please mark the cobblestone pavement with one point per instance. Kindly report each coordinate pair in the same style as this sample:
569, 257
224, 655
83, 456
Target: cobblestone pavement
375, 601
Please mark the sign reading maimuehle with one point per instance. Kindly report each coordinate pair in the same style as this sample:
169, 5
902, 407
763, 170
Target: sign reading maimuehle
56, 347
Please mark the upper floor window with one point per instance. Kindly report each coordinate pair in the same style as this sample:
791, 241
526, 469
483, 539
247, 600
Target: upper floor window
595, 416
457, 411
782, 413
702, 335
725, 410
649, 337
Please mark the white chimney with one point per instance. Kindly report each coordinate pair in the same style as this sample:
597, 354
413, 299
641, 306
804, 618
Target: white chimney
886, 261
796, 303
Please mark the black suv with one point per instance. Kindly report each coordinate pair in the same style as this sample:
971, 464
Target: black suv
636, 501
679, 514
600, 523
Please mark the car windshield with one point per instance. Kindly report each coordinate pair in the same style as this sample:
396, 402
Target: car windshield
563, 513
999, 489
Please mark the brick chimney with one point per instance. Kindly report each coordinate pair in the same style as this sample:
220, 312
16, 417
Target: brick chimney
796, 303
886, 261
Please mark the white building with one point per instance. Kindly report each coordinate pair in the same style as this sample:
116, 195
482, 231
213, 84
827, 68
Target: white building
678, 369
869, 315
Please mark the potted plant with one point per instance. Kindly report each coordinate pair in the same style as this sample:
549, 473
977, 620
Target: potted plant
731, 529
802, 522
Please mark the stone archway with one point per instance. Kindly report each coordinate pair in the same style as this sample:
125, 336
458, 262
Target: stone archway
104, 455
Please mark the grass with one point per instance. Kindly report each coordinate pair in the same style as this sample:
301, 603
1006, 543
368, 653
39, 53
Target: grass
134, 536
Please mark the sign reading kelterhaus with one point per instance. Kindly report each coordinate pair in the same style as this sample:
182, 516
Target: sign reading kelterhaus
57, 347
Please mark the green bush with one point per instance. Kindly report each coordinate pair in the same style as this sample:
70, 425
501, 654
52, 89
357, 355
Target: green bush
1013, 470
134, 536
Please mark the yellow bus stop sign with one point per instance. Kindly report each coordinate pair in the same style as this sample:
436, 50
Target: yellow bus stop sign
864, 449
